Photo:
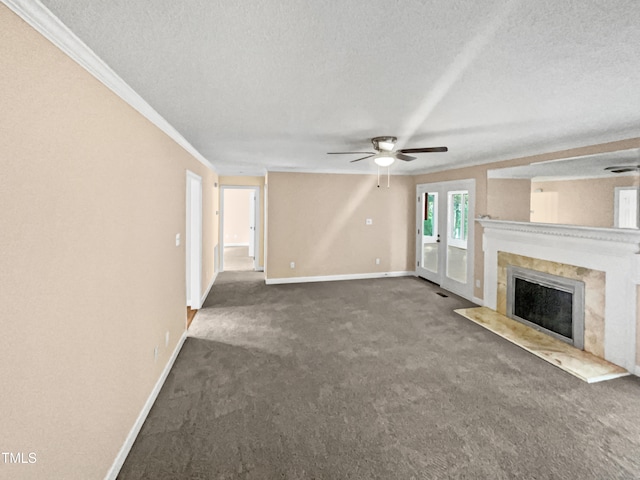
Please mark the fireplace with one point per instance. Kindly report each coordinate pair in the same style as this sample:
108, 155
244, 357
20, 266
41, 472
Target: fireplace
605, 259
549, 303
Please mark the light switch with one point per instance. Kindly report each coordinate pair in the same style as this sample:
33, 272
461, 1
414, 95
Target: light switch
177, 239
369, 221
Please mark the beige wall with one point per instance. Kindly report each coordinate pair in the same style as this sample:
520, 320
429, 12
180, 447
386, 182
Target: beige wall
236, 216
254, 182
479, 173
92, 196
318, 222
508, 199
588, 202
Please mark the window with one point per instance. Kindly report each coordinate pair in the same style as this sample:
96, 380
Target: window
458, 218
429, 228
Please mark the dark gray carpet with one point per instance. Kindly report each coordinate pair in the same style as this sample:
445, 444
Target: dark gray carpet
373, 379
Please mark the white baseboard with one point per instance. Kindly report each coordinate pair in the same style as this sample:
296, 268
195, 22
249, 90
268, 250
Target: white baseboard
478, 301
206, 292
636, 372
334, 278
133, 433
260, 269
236, 245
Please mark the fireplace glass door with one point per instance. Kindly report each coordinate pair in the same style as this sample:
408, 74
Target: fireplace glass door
549, 303
547, 307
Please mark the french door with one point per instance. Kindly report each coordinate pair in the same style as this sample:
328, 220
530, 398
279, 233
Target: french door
444, 253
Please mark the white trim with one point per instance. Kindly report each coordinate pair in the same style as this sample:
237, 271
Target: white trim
618, 235
135, 429
636, 371
478, 301
266, 227
51, 27
335, 278
206, 293
260, 269
236, 245
193, 239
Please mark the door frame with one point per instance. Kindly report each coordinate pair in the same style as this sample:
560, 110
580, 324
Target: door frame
193, 240
616, 204
465, 290
256, 232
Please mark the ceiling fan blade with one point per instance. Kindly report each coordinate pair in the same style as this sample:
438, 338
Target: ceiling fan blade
347, 153
406, 158
424, 150
363, 158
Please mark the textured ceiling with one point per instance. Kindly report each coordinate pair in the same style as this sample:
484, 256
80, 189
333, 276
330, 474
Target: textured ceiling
261, 85
588, 166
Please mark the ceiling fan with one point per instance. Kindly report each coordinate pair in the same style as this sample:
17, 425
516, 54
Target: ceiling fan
385, 155
624, 169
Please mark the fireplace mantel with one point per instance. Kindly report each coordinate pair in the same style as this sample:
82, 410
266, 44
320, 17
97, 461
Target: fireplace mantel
618, 235
613, 251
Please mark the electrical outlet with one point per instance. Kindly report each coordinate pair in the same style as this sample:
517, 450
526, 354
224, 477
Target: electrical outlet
477, 283
377, 261
292, 265
166, 339
177, 239
155, 353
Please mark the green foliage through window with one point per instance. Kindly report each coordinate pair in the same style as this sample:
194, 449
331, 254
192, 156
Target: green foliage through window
427, 229
459, 216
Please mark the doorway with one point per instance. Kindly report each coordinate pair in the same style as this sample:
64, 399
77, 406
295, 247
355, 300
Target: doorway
445, 229
626, 207
240, 226
193, 241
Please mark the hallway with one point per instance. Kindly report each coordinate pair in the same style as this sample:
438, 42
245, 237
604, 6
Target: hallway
237, 259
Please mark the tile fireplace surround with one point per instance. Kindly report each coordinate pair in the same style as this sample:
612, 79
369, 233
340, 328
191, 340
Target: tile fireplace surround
606, 259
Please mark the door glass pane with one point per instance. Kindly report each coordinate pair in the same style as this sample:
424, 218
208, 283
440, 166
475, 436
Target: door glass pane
428, 214
458, 223
430, 232
457, 263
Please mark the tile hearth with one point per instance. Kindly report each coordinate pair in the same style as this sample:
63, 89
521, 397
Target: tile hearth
579, 363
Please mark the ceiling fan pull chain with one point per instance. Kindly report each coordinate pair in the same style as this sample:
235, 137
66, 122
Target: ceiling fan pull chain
378, 176
388, 176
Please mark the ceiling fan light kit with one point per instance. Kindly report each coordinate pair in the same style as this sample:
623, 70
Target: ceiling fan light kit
384, 160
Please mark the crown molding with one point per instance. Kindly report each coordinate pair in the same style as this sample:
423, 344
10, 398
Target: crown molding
51, 27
